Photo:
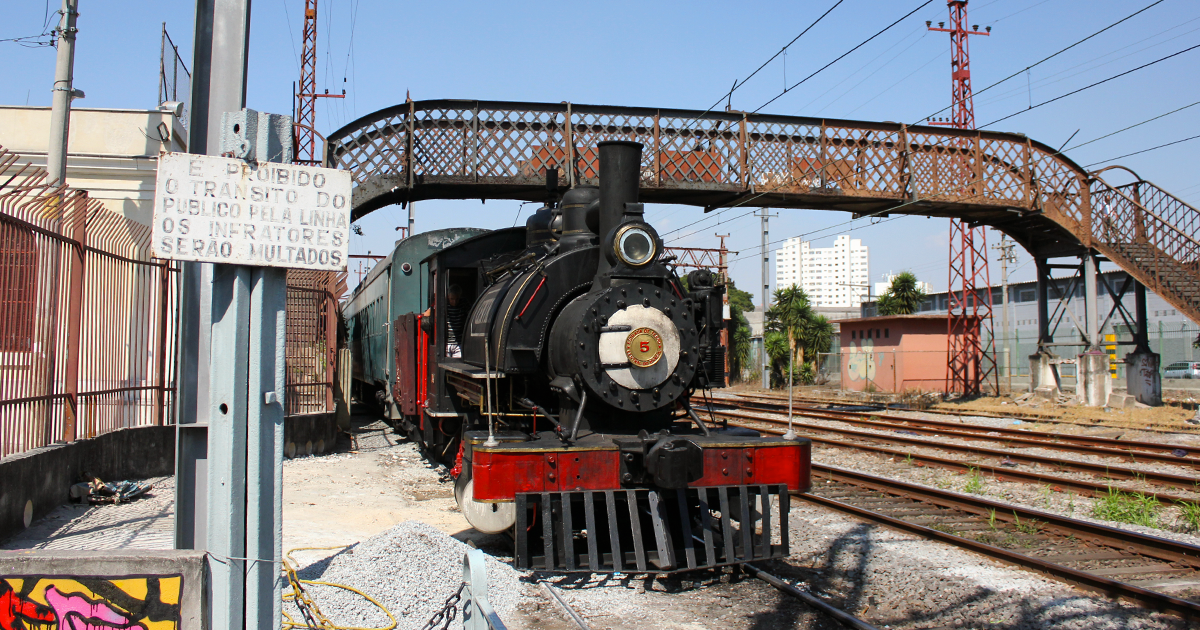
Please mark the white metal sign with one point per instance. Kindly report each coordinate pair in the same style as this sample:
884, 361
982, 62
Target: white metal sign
225, 210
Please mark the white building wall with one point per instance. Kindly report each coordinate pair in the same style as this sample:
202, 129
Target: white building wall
831, 276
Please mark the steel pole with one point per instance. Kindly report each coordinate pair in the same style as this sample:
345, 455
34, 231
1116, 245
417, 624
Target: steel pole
64, 80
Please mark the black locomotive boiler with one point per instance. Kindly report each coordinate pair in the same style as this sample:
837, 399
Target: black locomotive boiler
555, 365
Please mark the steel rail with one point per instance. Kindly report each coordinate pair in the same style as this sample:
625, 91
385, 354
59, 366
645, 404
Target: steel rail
1019, 415
842, 617
562, 603
1103, 470
1139, 543
999, 473
1106, 447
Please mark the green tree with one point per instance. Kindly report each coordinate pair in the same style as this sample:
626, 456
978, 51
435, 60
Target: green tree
903, 297
796, 335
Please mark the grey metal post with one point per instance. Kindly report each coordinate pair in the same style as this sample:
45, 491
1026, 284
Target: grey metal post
218, 86
264, 447
1090, 298
1043, 301
64, 90
1141, 336
766, 298
226, 507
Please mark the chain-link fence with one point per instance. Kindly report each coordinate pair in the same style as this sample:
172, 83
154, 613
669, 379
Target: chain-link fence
1173, 341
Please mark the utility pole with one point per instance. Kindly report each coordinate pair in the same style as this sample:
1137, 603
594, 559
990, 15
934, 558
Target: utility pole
64, 91
969, 363
766, 297
1005, 247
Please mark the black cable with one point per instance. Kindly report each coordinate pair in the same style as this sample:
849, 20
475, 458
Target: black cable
843, 55
1015, 74
1142, 151
1088, 87
1045, 59
738, 84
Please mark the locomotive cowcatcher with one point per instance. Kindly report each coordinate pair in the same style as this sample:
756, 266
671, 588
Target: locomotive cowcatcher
556, 366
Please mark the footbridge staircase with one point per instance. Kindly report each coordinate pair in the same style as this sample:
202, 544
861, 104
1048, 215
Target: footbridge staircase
1039, 197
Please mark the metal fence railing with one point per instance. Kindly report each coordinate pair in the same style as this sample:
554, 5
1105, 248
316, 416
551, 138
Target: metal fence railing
85, 316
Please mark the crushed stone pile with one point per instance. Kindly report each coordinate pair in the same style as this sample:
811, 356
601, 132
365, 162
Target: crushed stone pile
411, 569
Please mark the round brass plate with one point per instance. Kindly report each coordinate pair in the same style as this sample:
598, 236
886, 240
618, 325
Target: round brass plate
643, 347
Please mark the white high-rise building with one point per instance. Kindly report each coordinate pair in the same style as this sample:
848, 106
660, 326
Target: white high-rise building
831, 276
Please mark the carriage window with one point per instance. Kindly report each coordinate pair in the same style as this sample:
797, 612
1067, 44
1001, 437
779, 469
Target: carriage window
886, 332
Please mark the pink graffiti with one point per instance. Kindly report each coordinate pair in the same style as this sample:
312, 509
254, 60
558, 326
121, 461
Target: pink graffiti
77, 612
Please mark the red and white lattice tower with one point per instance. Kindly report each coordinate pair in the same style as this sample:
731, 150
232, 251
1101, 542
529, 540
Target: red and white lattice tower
971, 360
305, 95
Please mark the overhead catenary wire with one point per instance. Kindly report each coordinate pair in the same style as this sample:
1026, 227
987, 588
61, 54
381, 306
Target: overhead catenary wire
1050, 80
1097, 83
1155, 148
738, 84
1018, 73
843, 56
1051, 56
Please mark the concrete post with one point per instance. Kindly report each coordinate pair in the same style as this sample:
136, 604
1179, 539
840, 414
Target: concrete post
1093, 384
766, 300
64, 91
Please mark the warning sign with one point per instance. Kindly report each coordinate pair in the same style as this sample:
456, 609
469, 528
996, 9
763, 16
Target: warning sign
225, 210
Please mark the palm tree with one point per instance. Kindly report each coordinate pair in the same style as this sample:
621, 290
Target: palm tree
790, 314
903, 297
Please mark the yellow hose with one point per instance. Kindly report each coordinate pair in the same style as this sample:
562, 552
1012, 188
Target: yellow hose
302, 600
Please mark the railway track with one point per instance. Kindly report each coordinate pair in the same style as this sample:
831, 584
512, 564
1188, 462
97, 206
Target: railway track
986, 460
877, 408
1154, 572
1132, 450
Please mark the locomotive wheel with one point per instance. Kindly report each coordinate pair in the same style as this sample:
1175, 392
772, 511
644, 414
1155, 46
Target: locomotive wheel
489, 518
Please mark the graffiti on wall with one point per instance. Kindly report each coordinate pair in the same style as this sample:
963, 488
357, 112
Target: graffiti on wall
861, 364
91, 603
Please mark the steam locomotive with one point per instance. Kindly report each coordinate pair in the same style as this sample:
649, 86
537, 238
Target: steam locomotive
555, 367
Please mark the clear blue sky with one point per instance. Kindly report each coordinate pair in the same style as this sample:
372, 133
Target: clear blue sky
685, 55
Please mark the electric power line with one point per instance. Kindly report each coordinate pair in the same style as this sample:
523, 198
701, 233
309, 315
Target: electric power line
1048, 58
1035, 64
1088, 87
843, 55
1129, 127
1142, 151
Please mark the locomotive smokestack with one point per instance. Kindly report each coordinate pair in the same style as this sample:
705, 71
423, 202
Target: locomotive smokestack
620, 171
620, 177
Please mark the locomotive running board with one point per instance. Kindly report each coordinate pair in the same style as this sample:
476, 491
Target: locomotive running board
667, 531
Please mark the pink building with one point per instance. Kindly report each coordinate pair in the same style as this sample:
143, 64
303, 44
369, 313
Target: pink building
894, 353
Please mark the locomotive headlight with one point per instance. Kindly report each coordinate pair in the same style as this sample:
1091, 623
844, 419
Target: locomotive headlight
635, 245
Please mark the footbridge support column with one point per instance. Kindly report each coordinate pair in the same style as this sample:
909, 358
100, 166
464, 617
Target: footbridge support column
1143, 378
1093, 384
1043, 365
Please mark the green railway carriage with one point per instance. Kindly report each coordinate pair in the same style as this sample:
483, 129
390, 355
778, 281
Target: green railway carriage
395, 285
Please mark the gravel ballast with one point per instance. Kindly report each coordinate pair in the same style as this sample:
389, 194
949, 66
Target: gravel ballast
411, 569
